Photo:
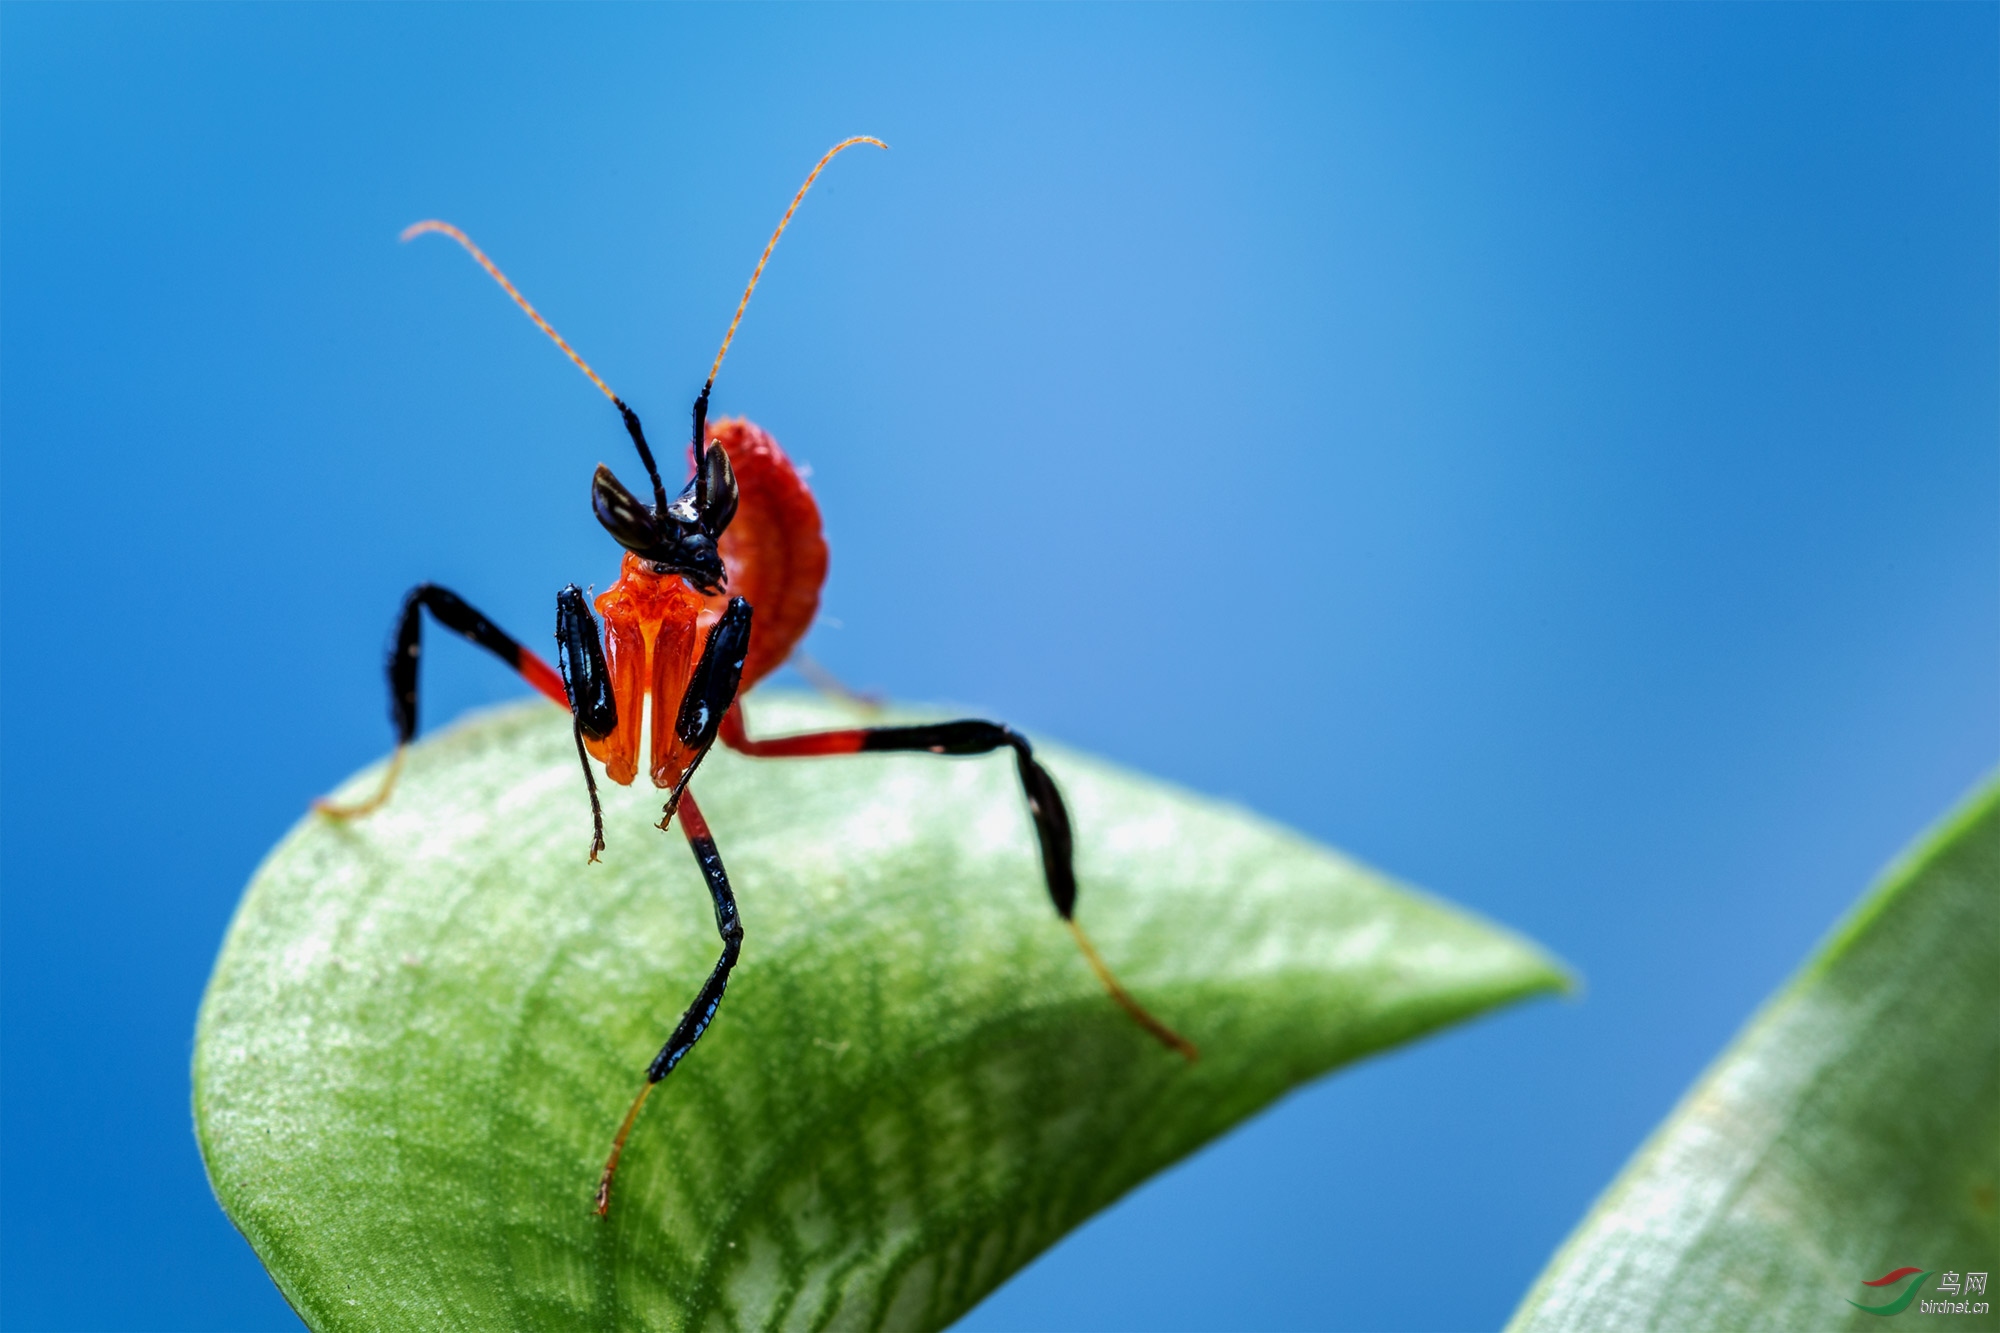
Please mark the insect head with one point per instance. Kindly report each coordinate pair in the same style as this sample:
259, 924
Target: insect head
678, 536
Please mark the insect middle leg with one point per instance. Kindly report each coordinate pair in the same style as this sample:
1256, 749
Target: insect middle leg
699, 1014
406, 650
1045, 806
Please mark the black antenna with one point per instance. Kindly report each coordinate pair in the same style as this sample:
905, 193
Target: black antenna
701, 427
638, 434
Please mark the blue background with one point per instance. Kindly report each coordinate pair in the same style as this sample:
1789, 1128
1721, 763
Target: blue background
1549, 452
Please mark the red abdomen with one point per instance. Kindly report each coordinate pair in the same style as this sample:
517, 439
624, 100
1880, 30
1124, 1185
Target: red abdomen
774, 550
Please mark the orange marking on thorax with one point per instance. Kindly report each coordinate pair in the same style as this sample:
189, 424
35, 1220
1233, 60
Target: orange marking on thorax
654, 627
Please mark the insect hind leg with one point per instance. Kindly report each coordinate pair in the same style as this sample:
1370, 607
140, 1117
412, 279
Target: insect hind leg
971, 736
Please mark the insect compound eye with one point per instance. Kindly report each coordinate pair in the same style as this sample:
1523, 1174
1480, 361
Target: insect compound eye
715, 490
623, 516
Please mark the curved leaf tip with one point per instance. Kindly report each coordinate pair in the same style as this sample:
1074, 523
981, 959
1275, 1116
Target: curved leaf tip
424, 1026
1847, 1140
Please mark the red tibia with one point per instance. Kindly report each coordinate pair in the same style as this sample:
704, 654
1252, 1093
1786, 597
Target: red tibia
544, 678
1896, 1276
692, 824
788, 747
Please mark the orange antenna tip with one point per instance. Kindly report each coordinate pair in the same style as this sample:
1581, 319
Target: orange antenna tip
1137, 1012
417, 229
772, 244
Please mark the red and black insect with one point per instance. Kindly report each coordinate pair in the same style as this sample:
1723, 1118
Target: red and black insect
743, 533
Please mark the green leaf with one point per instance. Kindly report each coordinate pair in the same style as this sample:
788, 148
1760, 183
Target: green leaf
1852, 1129
425, 1025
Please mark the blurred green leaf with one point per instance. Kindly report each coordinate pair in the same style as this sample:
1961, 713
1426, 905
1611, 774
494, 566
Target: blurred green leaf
425, 1025
1853, 1129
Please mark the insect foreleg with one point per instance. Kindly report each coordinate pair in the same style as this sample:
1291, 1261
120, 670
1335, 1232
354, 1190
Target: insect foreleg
593, 705
1045, 807
406, 651
699, 1014
710, 691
